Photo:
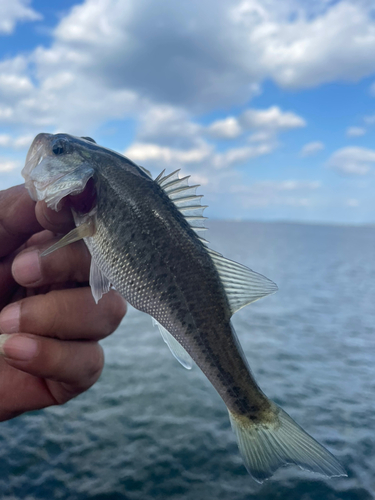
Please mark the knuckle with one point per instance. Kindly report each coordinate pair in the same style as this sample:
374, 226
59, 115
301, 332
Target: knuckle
116, 310
84, 370
96, 364
55, 310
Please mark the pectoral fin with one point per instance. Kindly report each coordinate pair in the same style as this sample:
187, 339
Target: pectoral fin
99, 283
78, 233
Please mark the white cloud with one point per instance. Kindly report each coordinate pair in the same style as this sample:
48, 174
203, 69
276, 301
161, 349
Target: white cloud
142, 51
168, 125
240, 155
14, 11
203, 155
262, 136
372, 89
311, 148
166, 65
20, 142
229, 128
15, 84
268, 121
143, 152
303, 45
168, 134
272, 118
66, 100
355, 131
352, 160
201, 180
110, 60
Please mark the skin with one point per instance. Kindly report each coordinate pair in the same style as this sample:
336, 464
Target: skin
51, 351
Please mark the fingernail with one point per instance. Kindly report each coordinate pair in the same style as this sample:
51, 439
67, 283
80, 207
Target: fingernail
26, 268
10, 319
18, 347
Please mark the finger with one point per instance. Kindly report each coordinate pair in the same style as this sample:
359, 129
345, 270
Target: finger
38, 239
71, 263
70, 367
8, 285
20, 392
17, 219
57, 222
65, 314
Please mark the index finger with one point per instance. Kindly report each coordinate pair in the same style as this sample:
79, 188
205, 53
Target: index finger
17, 219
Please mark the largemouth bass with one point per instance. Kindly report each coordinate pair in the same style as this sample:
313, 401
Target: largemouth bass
143, 236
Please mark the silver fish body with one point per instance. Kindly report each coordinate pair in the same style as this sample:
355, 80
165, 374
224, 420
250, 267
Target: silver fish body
158, 263
140, 235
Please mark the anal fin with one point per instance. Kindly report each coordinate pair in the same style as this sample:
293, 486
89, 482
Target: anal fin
175, 347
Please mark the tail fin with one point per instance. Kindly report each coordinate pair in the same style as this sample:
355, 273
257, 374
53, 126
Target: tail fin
266, 447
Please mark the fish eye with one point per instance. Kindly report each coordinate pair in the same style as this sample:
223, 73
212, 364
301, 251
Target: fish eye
58, 148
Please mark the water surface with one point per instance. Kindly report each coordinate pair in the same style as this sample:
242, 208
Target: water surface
149, 429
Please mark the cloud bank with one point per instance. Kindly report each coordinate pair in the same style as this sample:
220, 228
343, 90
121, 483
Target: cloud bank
111, 59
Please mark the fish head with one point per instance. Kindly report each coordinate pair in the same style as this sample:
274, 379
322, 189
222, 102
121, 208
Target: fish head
57, 166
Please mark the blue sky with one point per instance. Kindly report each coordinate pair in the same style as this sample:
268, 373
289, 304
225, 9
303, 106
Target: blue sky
269, 105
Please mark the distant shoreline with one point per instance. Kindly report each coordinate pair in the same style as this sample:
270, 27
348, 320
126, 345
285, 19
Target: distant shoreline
291, 222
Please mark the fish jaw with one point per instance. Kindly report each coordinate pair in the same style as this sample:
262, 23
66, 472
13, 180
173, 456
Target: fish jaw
51, 176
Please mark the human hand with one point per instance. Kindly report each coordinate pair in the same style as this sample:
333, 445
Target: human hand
50, 351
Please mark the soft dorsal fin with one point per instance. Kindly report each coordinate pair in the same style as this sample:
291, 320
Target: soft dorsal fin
175, 347
241, 284
184, 197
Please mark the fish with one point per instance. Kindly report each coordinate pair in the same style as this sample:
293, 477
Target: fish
145, 240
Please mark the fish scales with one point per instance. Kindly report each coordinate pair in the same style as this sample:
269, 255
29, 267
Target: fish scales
163, 282
142, 243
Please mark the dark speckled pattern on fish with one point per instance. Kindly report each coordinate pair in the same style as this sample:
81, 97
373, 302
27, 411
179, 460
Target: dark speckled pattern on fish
157, 262
141, 243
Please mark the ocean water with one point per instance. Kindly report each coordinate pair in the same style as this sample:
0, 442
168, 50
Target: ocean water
149, 429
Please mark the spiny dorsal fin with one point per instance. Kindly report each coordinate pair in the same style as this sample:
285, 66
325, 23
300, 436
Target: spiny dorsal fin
241, 284
145, 171
184, 197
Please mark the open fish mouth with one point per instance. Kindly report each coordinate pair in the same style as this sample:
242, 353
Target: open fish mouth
48, 176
